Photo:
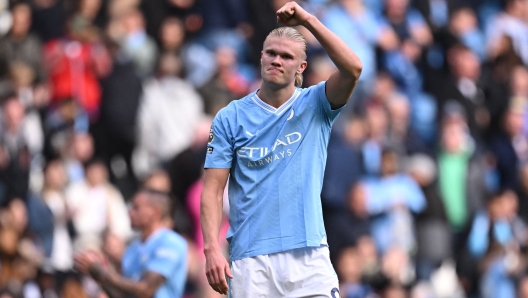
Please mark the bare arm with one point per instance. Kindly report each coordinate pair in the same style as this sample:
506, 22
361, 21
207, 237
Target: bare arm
210, 219
341, 83
116, 286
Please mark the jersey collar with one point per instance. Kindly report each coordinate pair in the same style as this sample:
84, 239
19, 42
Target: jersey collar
272, 109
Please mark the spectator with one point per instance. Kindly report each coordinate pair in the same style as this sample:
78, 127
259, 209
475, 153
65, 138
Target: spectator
510, 147
163, 133
115, 131
460, 169
433, 231
498, 233
511, 23
392, 198
61, 258
75, 62
97, 206
20, 257
349, 270
465, 86
186, 168
19, 143
350, 19
346, 226
172, 35
377, 124
49, 19
464, 26
140, 47
408, 23
79, 151
226, 84
342, 173
19, 45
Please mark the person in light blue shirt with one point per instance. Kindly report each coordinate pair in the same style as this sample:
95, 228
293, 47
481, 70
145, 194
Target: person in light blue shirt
155, 265
272, 145
362, 30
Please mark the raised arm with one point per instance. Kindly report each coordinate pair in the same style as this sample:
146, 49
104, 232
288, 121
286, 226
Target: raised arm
341, 83
210, 218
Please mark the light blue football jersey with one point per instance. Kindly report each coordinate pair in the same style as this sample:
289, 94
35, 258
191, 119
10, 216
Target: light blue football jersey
277, 159
164, 252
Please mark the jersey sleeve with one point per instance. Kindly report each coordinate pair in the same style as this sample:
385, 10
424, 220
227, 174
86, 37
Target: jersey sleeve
219, 148
167, 258
324, 104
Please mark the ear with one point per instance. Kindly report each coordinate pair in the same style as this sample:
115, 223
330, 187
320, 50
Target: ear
302, 67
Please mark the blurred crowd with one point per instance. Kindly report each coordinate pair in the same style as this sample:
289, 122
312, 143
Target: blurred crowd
426, 186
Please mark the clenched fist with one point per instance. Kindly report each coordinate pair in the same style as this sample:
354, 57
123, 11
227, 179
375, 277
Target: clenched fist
292, 14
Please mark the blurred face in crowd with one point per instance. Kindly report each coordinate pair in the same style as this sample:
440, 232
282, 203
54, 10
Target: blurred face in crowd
357, 200
519, 81
464, 63
523, 287
14, 114
83, 148
383, 86
396, 7
55, 176
453, 137
395, 292
367, 250
18, 211
349, 265
399, 110
225, 57
182, 4
518, 8
355, 131
377, 121
513, 122
320, 70
159, 181
172, 34
142, 212
97, 174
462, 20
21, 20
90, 8
133, 21
389, 163
510, 204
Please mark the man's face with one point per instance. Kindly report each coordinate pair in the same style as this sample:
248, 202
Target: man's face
141, 212
281, 60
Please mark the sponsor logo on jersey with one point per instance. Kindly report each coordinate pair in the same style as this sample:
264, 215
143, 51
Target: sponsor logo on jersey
211, 136
261, 156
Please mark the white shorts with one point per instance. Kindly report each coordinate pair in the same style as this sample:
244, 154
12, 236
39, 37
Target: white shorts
301, 272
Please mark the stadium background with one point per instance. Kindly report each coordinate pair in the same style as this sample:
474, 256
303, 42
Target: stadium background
426, 187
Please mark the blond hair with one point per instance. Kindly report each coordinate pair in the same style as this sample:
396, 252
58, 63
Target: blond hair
294, 35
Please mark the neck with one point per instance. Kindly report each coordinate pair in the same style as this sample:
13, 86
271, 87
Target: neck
275, 96
17, 36
395, 17
148, 231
